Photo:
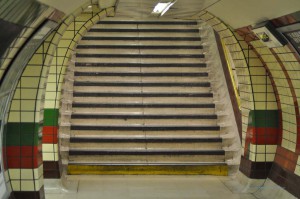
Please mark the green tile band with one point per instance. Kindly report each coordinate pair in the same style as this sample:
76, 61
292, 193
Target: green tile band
51, 117
263, 118
22, 134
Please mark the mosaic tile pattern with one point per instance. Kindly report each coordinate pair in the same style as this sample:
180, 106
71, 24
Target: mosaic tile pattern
256, 92
64, 41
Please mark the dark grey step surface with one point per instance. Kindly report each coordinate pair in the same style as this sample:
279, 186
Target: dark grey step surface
150, 22
146, 152
140, 116
145, 30
146, 140
140, 55
146, 128
137, 105
143, 84
133, 74
137, 47
99, 64
143, 38
87, 94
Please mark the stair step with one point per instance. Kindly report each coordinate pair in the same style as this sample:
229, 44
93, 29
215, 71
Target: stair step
145, 139
157, 52
143, 84
176, 47
142, 134
194, 30
145, 128
138, 105
162, 42
150, 22
140, 55
132, 74
140, 65
143, 38
145, 152
141, 116
142, 34
88, 94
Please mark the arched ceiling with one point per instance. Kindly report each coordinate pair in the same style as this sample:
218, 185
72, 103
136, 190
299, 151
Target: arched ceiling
236, 13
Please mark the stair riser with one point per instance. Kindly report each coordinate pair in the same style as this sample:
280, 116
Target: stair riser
137, 42
116, 50
139, 89
146, 158
142, 69
142, 134
180, 122
139, 60
141, 79
145, 110
143, 26
142, 34
149, 146
166, 100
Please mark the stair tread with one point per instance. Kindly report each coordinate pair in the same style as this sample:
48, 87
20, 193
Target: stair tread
145, 139
175, 22
79, 104
112, 64
136, 46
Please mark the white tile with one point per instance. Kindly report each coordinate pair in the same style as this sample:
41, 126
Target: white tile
50, 148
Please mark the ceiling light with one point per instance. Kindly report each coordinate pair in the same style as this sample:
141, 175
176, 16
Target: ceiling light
162, 8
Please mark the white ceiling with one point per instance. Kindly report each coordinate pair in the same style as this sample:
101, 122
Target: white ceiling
240, 13
143, 8
236, 13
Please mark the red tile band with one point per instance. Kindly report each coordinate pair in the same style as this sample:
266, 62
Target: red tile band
50, 135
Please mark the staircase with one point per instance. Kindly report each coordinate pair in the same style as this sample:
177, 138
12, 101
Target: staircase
142, 102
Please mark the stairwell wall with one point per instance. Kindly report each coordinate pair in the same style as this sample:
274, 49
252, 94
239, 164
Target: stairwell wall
268, 84
30, 137
257, 98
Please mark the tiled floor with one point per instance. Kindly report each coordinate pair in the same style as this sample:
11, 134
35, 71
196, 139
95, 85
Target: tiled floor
147, 187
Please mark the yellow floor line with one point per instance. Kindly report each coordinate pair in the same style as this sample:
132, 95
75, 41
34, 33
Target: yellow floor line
220, 170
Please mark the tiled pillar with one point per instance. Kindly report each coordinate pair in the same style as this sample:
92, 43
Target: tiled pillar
260, 144
50, 144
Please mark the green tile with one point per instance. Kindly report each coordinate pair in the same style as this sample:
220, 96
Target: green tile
51, 117
22, 134
263, 118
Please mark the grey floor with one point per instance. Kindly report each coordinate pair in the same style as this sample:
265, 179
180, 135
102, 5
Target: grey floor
146, 187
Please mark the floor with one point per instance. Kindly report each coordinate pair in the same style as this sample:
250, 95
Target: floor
146, 187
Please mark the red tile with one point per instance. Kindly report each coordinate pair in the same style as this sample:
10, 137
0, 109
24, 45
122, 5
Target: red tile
17, 151
50, 130
22, 162
50, 139
261, 136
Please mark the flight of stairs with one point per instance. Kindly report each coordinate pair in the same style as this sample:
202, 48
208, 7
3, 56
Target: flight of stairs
142, 102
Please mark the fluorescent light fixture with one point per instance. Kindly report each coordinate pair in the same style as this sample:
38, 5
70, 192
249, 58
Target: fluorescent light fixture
162, 8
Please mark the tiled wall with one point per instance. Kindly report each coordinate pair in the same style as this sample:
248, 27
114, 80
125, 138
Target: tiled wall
23, 130
283, 67
66, 38
258, 100
15, 46
31, 133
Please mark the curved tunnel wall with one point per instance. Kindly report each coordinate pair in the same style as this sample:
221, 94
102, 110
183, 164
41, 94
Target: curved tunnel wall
30, 139
269, 91
269, 104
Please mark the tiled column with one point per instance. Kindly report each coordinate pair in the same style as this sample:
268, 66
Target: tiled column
23, 132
